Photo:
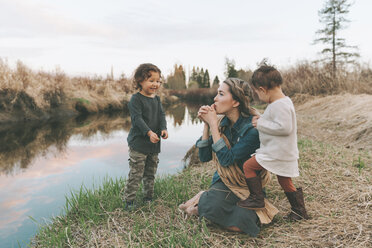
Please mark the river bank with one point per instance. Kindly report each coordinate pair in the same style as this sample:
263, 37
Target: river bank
336, 179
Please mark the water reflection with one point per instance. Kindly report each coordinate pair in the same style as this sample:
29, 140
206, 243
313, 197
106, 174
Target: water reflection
177, 111
41, 162
21, 144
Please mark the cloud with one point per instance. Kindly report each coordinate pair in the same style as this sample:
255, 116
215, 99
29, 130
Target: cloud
27, 18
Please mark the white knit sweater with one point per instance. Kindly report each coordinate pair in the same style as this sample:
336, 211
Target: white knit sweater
278, 152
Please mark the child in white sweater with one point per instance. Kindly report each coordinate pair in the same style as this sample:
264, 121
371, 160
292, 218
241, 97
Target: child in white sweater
278, 152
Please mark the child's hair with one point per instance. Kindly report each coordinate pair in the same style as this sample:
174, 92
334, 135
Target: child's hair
239, 90
266, 76
143, 72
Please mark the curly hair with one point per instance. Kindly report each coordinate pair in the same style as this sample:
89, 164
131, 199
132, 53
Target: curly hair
239, 90
143, 72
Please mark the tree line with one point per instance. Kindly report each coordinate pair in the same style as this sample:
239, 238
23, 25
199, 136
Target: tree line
336, 54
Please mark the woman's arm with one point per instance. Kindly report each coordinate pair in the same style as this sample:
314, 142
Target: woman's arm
204, 145
247, 145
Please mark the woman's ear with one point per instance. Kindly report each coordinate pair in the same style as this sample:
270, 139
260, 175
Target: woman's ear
236, 103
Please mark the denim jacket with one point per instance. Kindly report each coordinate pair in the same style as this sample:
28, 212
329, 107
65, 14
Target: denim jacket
244, 141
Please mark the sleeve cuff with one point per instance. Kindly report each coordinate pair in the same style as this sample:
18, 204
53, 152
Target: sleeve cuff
145, 132
218, 145
202, 143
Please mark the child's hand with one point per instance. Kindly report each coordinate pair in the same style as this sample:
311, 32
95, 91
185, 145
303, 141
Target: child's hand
254, 120
153, 137
164, 134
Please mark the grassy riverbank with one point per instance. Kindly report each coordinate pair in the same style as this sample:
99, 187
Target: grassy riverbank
338, 195
29, 95
26, 94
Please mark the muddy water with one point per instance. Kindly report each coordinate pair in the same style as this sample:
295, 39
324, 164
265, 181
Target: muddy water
41, 163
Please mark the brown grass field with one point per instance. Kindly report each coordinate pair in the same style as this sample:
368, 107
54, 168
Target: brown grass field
335, 173
334, 126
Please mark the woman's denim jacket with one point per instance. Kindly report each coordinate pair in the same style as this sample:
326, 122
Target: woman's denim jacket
244, 141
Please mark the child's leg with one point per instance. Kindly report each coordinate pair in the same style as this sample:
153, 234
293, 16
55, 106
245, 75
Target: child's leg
137, 166
149, 175
295, 198
250, 167
256, 199
286, 184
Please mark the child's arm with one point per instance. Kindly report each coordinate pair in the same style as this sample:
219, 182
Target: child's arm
281, 123
135, 110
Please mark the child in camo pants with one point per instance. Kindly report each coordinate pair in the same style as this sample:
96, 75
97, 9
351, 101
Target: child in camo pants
148, 124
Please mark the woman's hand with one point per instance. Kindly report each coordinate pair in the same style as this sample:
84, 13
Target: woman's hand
209, 115
203, 110
254, 120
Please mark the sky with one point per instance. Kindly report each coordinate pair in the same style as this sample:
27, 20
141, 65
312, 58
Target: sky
88, 37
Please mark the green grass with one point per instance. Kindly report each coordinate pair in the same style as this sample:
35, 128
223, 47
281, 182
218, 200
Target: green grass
86, 209
335, 191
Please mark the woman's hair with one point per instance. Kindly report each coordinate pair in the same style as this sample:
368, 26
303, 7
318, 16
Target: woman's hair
239, 90
266, 76
143, 72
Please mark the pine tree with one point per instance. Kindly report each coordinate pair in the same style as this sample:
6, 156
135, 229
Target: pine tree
199, 77
216, 82
193, 74
177, 80
206, 80
230, 68
336, 51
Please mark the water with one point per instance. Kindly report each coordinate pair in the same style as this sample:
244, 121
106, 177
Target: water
41, 163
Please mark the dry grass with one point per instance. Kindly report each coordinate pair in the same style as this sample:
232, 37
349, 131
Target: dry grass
343, 119
313, 79
338, 196
21, 87
337, 188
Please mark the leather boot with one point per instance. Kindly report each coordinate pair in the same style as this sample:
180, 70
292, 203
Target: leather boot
296, 199
255, 201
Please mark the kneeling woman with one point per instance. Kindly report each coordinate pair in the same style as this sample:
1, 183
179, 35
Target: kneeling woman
232, 141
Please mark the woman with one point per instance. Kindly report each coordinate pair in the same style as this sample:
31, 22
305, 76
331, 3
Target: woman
233, 140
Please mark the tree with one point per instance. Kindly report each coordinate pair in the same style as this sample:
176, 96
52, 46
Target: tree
206, 80
245, 74
193, 75
216, 82
336, 51
230, 68
177, 80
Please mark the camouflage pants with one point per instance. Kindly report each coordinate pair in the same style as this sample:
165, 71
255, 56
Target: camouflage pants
142, 167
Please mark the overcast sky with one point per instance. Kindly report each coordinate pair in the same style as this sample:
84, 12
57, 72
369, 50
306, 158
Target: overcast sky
87, 37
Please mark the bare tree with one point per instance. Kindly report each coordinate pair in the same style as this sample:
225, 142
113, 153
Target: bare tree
336, 52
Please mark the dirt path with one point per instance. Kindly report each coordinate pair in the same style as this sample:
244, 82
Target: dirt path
342, 119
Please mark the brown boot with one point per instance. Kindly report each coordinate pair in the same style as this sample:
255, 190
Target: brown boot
255, 201
296, 199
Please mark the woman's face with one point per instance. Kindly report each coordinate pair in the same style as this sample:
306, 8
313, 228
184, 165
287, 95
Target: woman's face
224, 101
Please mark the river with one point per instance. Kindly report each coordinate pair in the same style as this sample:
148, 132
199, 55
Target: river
42, 163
